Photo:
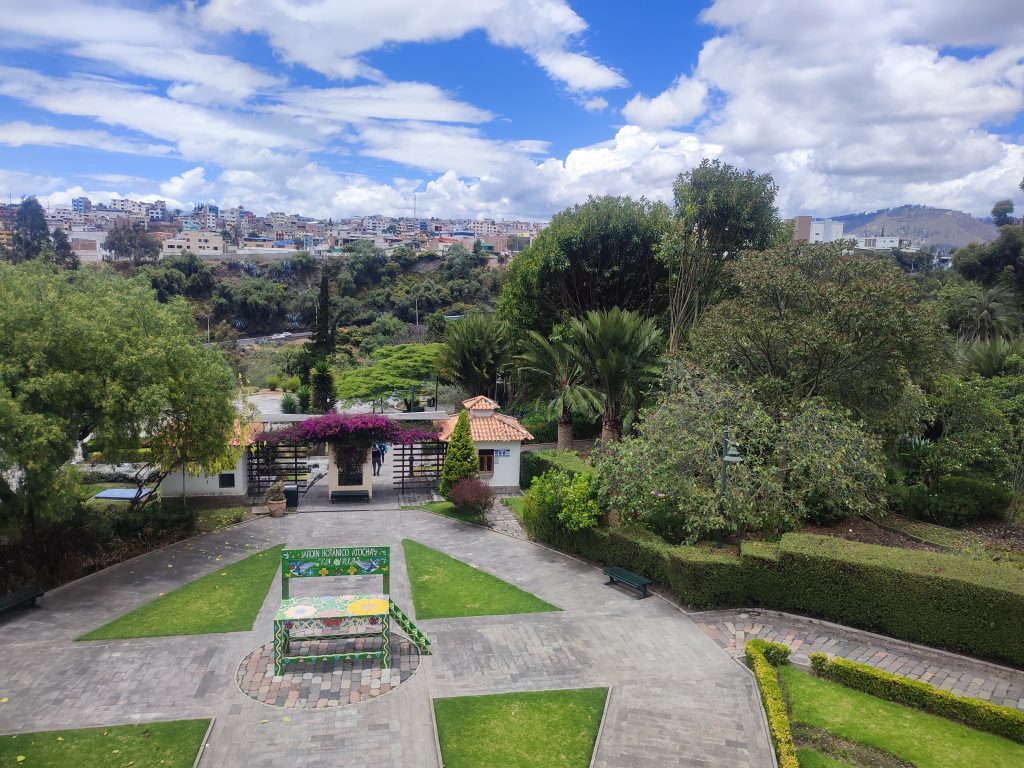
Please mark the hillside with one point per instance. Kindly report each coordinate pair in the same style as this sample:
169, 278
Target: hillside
922, 224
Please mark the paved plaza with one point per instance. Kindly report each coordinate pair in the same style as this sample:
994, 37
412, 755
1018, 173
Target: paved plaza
677, 699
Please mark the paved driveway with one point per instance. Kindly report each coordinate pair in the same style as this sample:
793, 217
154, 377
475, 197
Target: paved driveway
677, 698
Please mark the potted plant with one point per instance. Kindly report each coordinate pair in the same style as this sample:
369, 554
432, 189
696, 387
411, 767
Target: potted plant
275, 499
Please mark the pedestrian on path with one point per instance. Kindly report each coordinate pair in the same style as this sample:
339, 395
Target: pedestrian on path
377, 457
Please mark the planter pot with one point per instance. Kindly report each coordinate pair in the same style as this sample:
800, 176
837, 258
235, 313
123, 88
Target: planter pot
276, 508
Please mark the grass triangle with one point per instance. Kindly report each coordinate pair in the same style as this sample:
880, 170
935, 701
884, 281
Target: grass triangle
444, 588
227, 600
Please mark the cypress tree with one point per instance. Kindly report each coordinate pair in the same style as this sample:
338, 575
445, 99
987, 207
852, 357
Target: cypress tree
460, 461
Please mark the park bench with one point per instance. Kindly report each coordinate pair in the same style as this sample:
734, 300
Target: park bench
626, 578
23, 597
342, 495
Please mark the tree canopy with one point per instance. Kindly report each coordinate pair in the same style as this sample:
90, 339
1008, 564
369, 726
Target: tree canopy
132, 242
393, 368
593, 256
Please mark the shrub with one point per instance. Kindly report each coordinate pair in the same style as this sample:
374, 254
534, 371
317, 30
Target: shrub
291, 384
955, 501
471, 496
983, 715
289, 403
153, 519
705, 577
580, 509
758, 653
272, 382
460, 460
533, 464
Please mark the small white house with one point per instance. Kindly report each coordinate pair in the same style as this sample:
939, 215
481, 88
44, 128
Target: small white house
233, 481
498, 439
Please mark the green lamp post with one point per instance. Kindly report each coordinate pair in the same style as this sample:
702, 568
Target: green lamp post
729, 456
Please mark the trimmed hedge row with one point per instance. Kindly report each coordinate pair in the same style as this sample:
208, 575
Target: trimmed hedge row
535, 463
762, 657
983, 715
936, 599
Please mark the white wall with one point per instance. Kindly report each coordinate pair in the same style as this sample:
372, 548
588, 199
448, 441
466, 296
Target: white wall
506, 468
207, 485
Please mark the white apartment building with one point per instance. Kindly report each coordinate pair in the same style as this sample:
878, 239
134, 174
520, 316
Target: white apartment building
884, 243
483, 227
811, 230
125, 205
202, 244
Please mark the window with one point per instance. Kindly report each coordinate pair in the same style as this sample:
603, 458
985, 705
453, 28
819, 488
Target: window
486, 456
226, 479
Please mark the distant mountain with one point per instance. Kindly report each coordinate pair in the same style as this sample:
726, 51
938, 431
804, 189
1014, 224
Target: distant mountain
922, 224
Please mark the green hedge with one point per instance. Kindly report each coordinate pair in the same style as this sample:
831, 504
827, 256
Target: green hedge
983, 715
535, 463
762, 657
955, 501
937, 599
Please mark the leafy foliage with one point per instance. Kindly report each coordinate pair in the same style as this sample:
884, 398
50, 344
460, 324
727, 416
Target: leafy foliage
473, 497
131, 241
476, 351
390, 369
460, 461
322, 388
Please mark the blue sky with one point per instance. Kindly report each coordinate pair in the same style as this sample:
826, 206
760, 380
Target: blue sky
509, 108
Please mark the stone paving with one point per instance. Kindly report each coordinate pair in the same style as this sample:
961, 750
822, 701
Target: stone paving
960, 675
502, 519
676, 698
311, 685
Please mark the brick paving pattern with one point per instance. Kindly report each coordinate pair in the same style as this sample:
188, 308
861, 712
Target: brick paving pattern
315, 685
960, 675
676, 698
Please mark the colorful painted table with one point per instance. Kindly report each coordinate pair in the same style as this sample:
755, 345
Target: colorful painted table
330, 618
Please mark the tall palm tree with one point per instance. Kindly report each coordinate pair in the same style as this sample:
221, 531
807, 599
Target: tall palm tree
988, 313
553, 377
476, 352
989, 358
619, 351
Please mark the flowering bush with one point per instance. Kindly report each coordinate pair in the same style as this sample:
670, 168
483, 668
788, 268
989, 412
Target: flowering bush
472, 496
356, 430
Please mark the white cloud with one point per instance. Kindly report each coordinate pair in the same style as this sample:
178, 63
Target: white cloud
389, 101
20, 133
595, 104
190, 185
547, 30
679, 105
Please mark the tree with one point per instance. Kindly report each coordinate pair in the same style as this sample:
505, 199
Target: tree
719, 211
31, 232
132, 242
988, 313
323, 341
459, 264
1002, 213
476, 351
460, 460
63, 255
552, 376
997, 261
620, 351
391, 370
136, 374
322, 394
592, 256
366, 262
816, 320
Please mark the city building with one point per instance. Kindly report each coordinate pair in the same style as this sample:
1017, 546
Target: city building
202, 244
807, 229
884, 243
81, 205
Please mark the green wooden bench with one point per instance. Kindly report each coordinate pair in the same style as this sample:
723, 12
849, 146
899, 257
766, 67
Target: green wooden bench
629, 579
20, 598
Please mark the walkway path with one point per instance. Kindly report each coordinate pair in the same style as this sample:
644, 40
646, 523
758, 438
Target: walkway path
676, 698
961, 675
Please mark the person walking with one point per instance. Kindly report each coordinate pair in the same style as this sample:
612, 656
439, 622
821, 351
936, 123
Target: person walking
377, 456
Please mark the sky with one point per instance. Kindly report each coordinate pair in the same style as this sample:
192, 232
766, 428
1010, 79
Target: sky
509, 108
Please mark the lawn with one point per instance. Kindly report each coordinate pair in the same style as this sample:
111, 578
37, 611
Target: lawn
811, 758
171, 744
447, 509
208, 520
443, 587
541, 729
924, 740
227, 600
516, 504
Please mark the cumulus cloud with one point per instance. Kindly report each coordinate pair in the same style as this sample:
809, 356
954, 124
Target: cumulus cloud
679, 105
20, 133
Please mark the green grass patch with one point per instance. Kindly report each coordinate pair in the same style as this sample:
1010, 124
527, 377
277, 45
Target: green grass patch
812, 758
924, 740
517, 504
541, 729
444, 588
171, 744
227, 600
208, 520
447, 509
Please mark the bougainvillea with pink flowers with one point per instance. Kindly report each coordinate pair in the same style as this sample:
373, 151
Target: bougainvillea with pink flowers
348, 429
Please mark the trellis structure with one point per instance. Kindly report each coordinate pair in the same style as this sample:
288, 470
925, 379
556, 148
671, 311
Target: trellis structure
418, 465
269, 463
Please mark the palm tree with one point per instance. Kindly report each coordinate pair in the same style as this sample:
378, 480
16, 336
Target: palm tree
988, 313
989, 358
553, 377
619, 351
476, 352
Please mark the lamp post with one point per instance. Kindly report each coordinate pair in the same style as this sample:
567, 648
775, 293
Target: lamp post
729, 456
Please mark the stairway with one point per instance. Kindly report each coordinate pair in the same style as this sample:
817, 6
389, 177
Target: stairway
418, 638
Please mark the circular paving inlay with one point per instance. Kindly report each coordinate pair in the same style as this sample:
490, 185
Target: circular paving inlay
314, 685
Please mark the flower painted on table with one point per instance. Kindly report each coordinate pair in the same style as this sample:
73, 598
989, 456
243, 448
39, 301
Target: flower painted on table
300, 611
352, 570
368, 606
323, 572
